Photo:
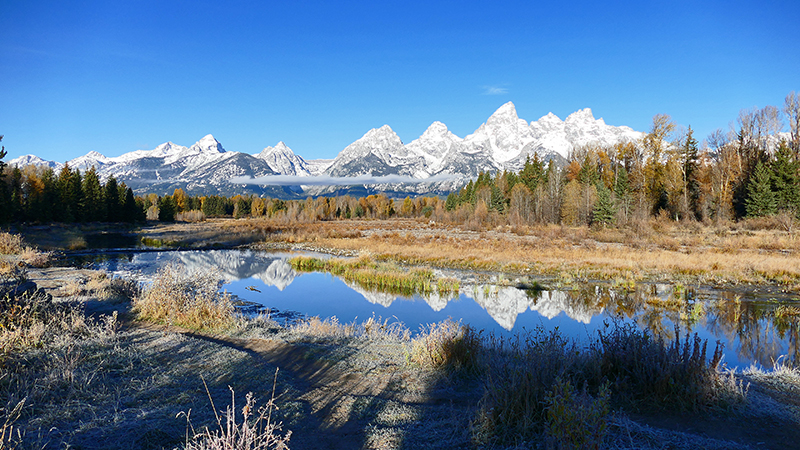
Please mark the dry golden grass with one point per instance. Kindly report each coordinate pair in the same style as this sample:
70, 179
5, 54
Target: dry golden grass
701, 254
186, 299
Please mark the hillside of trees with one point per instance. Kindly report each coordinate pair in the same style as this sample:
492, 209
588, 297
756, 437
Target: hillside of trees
751, 171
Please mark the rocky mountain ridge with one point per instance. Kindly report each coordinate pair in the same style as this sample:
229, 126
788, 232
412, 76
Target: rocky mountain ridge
437, 161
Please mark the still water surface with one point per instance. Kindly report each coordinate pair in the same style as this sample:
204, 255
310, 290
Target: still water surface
748, 327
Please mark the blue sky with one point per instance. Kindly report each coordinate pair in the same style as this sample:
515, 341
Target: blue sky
116, 76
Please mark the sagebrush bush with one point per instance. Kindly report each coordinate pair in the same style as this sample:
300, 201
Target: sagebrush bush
11, 244
188, 299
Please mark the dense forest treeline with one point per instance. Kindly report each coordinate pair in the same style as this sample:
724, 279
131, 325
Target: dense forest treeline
751, 171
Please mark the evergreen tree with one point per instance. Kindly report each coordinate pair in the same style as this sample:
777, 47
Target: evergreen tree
588, 173
690, 157
131, 212
452, 202
166, 209
15, 196
49, 196
92, 197
68, 186
111, 201
604, 209
786, 179
761, 199
532, 173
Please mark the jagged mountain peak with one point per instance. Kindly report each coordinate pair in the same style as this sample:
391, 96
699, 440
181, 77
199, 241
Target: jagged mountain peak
208, 144
281, 159
381, 138
437, 130
582, 115
385, 130
507, 110
279, 148
549, 118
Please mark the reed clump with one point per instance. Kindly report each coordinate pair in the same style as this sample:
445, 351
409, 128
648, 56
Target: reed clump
187, 299
382, 276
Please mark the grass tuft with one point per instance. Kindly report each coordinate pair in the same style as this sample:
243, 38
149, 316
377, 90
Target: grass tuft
187, 299
447, 345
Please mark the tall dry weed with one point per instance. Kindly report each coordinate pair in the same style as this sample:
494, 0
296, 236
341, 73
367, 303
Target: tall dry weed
257, 430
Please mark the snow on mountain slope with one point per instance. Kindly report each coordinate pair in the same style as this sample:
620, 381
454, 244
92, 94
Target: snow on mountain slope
503, 142
33, 160
502, 137
379, 152
318, 166
282, 160
432, 146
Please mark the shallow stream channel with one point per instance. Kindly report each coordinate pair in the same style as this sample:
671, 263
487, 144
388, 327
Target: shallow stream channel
756, 327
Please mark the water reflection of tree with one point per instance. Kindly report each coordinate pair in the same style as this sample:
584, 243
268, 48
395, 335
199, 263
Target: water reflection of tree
754, 324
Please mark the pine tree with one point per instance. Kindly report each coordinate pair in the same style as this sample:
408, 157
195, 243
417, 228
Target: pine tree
760, 199
452, 202
16, 198
604, 209
532, 173
786, 179
92, 197
166, 209
111, 201
690, 157
588, 173
49, 196
68, 186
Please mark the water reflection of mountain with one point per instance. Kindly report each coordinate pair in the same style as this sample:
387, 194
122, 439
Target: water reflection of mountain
504, 304
240, 265
436, 301
751, 328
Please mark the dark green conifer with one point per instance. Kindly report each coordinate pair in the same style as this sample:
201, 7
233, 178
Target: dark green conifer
760, 199
604, 210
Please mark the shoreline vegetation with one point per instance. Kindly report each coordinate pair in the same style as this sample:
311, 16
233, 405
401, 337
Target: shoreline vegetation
99, 360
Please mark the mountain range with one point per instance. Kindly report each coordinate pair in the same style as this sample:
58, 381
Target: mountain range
437, 161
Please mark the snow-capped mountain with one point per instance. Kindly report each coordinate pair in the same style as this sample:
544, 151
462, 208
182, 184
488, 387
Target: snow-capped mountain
438, 159
281, 159
503, 142
379, 152
33, 160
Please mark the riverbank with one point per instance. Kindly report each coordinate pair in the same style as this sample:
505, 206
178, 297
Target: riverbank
733, 255
122, 382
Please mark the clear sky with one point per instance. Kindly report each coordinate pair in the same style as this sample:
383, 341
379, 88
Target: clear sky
114, 77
